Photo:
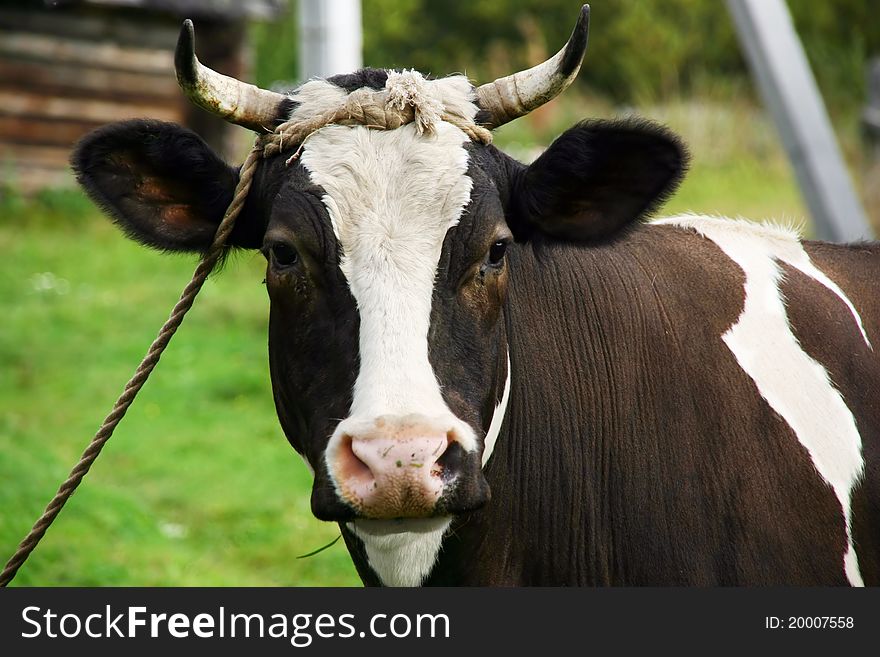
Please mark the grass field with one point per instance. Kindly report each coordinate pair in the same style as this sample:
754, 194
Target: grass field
198, 486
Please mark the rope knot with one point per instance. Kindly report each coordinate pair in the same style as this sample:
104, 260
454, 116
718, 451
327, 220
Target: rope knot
407, 98
409, 89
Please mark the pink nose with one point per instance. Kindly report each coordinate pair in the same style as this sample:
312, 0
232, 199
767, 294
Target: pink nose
394, 468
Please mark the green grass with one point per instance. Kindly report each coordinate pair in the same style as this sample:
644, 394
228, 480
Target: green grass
198, 486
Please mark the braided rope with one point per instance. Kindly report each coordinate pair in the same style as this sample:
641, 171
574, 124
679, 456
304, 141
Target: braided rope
371, 109
363, 107
137, 381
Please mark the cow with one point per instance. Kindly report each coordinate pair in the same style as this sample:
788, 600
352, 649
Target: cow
505, 374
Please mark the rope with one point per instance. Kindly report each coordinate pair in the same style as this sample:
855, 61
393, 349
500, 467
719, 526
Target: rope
373, 109
363, 107
137, 381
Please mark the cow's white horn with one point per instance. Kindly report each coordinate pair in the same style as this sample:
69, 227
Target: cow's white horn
237, 102
513, 96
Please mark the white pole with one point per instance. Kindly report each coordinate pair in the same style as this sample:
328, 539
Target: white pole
778, 62
330, 37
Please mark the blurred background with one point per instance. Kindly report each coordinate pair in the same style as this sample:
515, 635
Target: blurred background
199, 486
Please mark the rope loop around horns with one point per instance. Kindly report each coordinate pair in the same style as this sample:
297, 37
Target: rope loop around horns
371, 109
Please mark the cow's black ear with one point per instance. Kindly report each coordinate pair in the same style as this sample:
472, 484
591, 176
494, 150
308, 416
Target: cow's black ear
597, 178
161, 183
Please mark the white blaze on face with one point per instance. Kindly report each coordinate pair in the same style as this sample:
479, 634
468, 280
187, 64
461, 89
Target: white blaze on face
392, 196
768, 351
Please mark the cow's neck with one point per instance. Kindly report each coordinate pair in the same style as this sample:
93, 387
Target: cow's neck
551, 517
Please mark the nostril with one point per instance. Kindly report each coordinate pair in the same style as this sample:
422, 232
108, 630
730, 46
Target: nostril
397, 457
449, 465
350, 466
440, 448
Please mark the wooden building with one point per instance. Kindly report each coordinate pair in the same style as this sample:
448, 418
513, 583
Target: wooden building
69, 66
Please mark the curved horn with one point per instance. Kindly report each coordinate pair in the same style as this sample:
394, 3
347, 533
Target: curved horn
516, 95
231, 99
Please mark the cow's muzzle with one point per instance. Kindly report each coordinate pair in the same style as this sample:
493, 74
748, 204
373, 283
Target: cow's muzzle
406, 467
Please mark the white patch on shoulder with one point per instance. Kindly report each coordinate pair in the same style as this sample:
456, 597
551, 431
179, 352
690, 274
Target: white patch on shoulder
401, 553
786, 247
768, 351
497, 418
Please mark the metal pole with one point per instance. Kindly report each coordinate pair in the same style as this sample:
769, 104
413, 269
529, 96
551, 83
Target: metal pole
778, 62
330, 37
871, 134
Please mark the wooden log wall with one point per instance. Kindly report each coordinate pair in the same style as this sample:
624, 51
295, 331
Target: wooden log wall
64, 73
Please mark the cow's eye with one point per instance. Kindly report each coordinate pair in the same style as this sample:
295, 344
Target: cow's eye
496, 253
283, 255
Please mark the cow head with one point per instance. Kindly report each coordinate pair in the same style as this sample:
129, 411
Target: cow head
389, 253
